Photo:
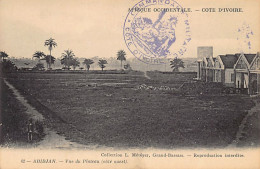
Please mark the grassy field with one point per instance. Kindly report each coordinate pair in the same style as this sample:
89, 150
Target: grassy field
110, 110
13, 118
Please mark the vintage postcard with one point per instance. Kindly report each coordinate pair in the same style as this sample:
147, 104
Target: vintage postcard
134, 84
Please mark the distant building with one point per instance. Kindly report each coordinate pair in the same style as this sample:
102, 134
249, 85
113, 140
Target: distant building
241, 71
203, 52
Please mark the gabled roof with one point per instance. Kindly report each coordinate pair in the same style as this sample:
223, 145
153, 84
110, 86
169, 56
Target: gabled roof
212, 61
247, 58
218, 59
250, 57
229, 60
205, 60
254, 61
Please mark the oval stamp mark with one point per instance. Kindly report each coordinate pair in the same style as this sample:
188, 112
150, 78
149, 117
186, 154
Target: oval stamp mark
157, 30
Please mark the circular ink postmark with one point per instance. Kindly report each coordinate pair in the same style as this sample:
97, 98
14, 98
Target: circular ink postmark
156, 30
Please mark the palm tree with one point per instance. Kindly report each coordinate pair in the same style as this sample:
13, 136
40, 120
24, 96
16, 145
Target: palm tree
3, 55
102, 63
67, 58
49, 59
176, 63
75, 63
51, 44
121, 56
88, 62
39, 55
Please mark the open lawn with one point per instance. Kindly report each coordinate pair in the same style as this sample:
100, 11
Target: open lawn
109, 110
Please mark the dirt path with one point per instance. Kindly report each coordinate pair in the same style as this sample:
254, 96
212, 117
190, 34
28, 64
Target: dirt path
244, 135
51, 139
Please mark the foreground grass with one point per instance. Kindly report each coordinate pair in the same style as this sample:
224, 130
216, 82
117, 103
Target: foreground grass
111, 113
13, 118
251, 132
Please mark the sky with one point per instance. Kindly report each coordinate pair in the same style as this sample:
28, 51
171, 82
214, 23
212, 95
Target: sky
95, 27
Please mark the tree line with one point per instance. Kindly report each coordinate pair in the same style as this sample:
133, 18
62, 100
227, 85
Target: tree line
68, 59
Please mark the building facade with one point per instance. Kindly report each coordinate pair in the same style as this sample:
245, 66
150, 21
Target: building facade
240, 71
247, 72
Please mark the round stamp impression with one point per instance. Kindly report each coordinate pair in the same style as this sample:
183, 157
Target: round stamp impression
157, 30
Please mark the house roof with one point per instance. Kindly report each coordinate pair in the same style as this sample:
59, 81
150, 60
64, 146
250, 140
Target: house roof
207, 59
229, 60
219, 60
250, 57
212, 61
255, 60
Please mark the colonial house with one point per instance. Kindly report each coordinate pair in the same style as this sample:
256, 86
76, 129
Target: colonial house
205, 70
255, 71
247, 72
204, 53
241, 71
224, 69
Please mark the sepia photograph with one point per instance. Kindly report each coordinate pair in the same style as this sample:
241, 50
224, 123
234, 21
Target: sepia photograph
129, 84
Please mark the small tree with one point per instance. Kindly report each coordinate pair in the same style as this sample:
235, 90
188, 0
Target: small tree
39, 55
88, 62
102, 63
3, 55
121, 56
176, 63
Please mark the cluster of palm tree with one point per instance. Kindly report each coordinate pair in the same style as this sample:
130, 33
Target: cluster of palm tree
68, 58
50, 43
101, 63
